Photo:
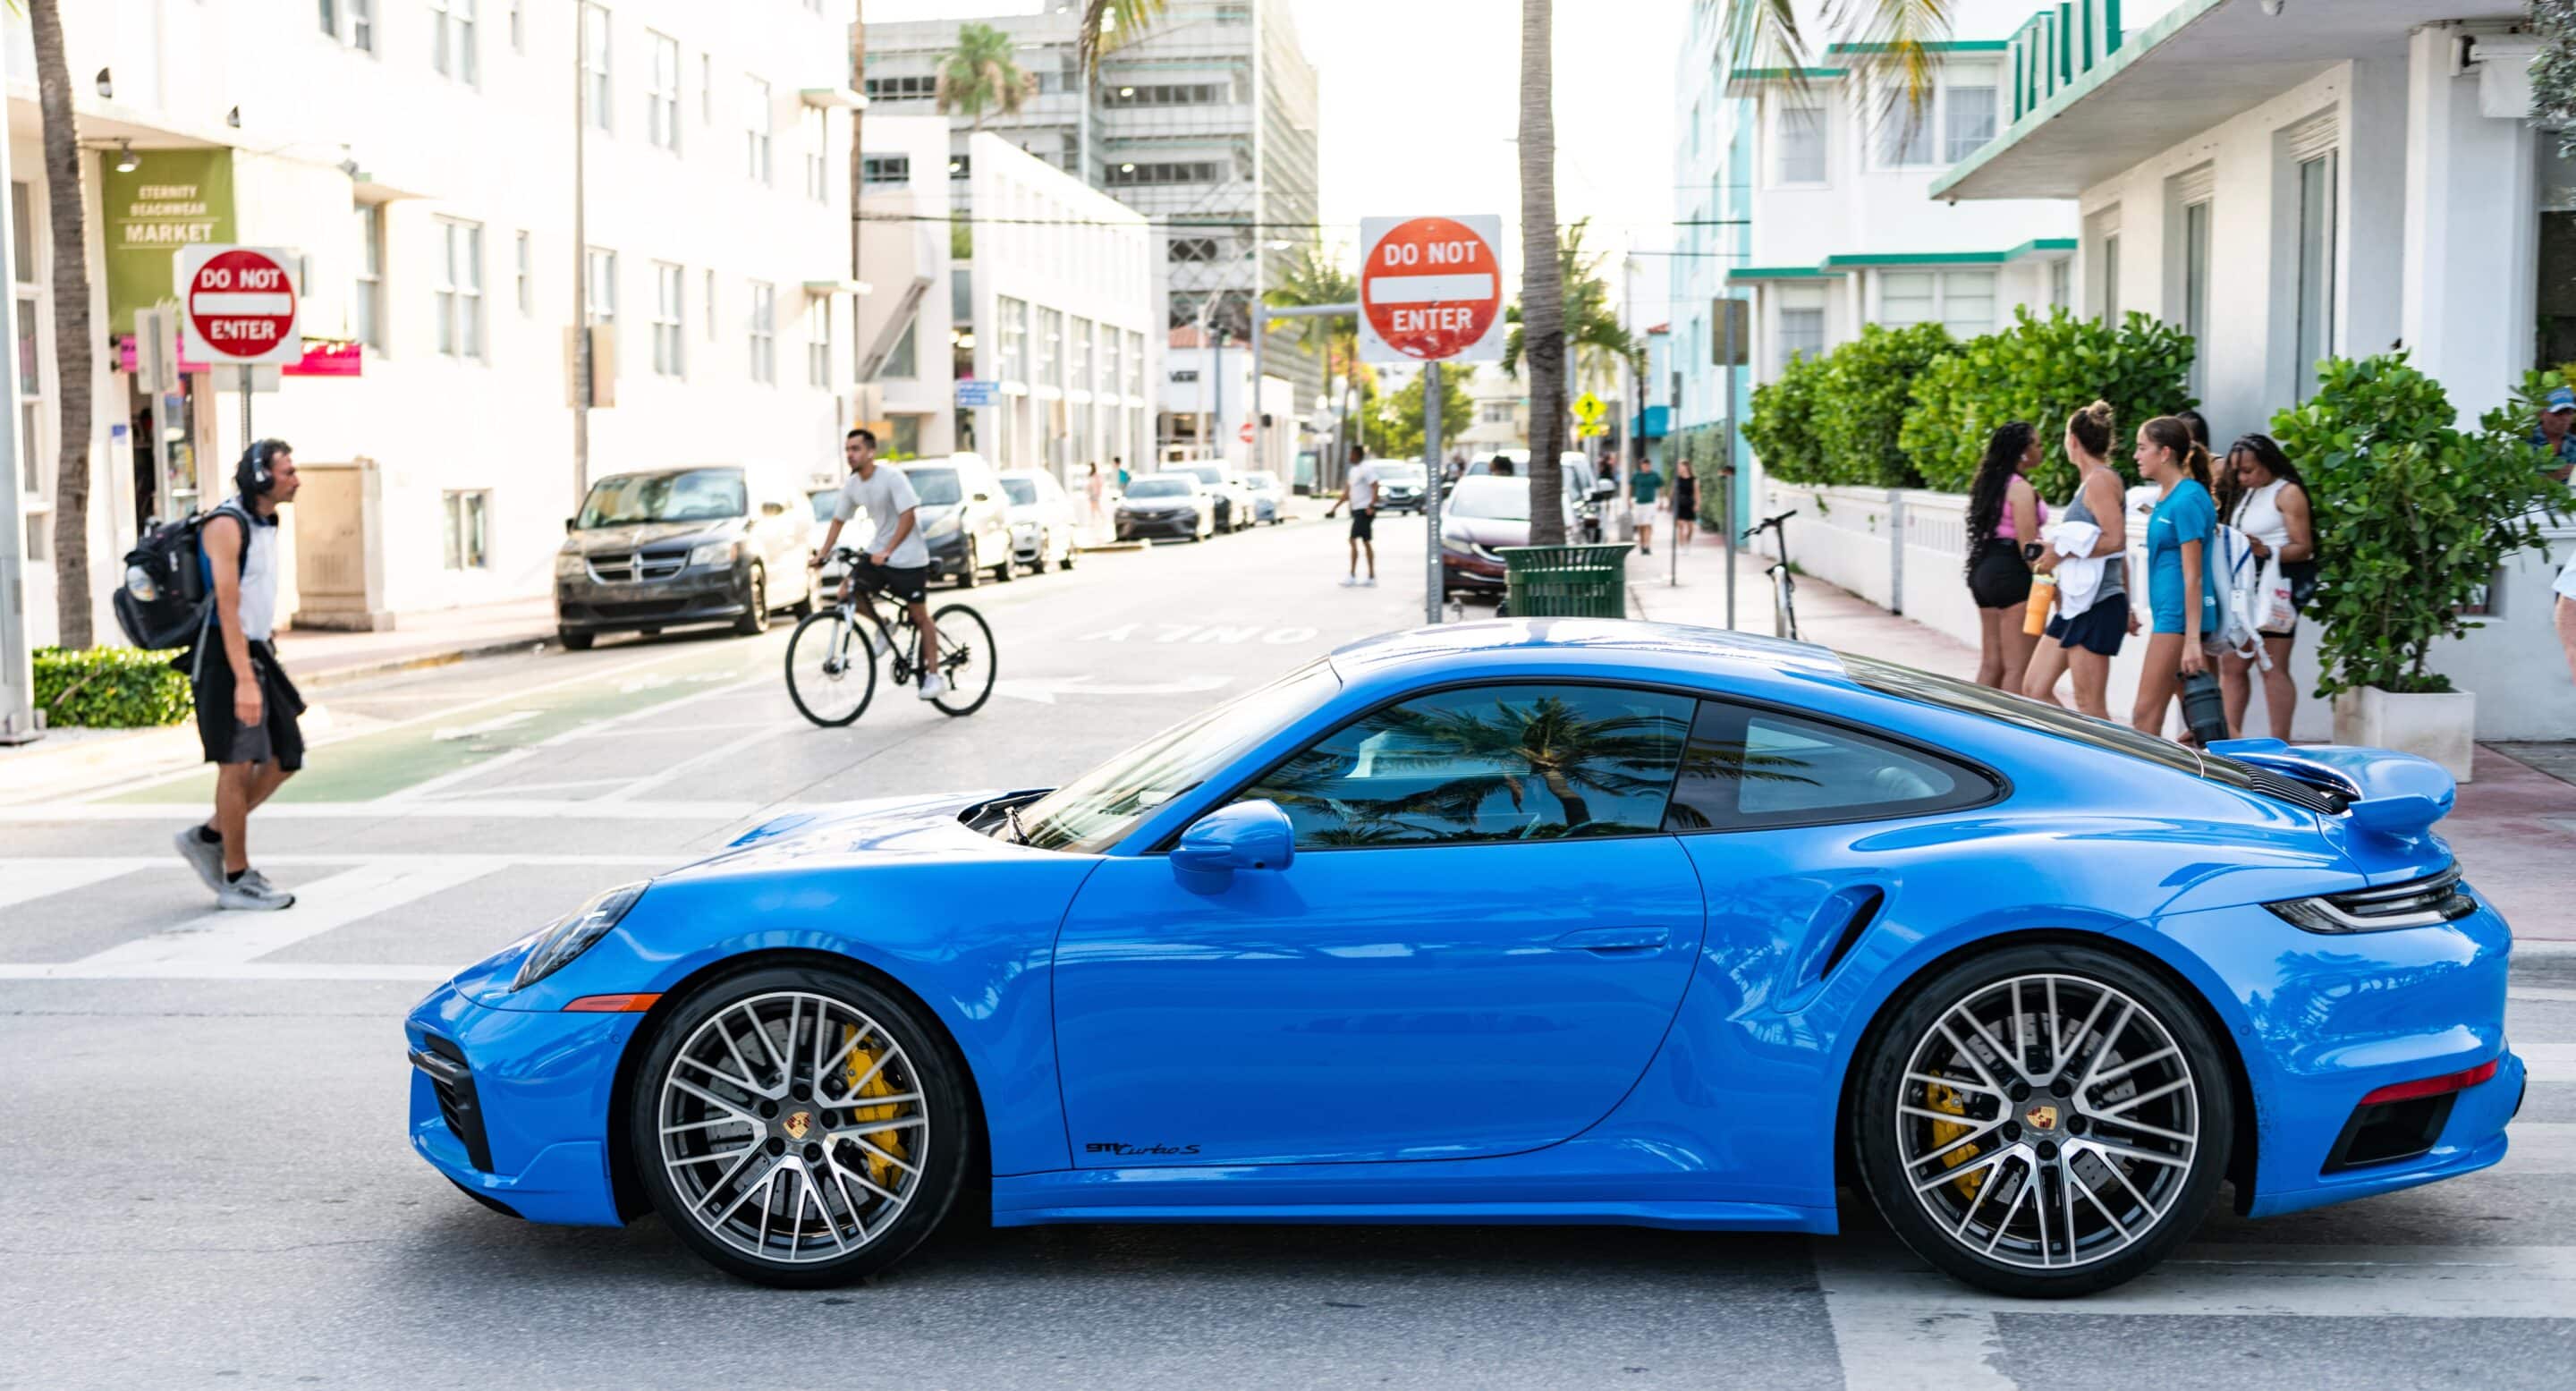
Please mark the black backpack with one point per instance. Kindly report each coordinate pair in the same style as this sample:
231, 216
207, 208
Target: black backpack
167, 599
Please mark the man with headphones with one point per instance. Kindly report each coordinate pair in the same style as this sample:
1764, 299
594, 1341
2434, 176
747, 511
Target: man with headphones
246, 707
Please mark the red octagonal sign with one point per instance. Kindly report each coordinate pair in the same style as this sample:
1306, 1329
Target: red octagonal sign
240, 306
1431, 289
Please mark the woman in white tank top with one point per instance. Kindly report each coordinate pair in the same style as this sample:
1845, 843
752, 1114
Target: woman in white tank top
2264, 497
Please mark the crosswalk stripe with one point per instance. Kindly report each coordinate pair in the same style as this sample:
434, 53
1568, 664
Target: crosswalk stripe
414, 973
2541, 994
22, 881
2548, 1062
2515, 1282
485, 809
223, 938
2540, 1148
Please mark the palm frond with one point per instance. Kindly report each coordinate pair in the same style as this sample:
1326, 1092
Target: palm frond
1109, 24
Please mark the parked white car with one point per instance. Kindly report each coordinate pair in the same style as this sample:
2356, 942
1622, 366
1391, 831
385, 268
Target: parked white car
1043, 524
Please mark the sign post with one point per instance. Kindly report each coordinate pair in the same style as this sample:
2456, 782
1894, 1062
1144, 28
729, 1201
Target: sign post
237, 307
1732, 342
1431, 291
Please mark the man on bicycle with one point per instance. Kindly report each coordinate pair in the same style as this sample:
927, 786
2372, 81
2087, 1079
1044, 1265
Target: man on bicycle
897, 561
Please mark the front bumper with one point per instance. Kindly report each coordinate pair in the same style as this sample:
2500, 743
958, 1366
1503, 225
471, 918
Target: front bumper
1138, 525
539, 1087
710, 595
1471, 571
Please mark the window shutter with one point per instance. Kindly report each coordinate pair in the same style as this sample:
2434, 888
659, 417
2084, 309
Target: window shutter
2312, 137
2195, 185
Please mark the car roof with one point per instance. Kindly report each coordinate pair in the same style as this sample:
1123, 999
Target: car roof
1498, 646
667, 469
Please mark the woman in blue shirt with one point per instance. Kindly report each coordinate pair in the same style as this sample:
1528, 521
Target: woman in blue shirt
2182, 589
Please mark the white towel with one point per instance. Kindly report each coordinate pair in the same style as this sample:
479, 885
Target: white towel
2079, 573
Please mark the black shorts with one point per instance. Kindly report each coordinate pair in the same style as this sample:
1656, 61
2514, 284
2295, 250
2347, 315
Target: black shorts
1364, 524
2100, 629
2000, 578
277, 738
906, 582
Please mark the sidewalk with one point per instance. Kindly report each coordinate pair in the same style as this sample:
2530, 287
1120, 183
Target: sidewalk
2514, 828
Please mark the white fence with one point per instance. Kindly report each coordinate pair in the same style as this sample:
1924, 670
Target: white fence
1906, 550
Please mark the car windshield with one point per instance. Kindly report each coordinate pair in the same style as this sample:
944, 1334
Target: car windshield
1209, 476
1023, 492
935, 487
1495, 499
1098, 809
1159, 487
696, 495
1404, 473
1262, 482
827, 504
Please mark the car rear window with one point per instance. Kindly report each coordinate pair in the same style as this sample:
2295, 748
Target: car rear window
1906, 683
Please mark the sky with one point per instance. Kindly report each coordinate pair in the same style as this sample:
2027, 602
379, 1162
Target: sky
1420, 101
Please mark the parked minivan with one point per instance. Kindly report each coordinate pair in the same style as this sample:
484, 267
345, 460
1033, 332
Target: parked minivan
964, 515
677, 547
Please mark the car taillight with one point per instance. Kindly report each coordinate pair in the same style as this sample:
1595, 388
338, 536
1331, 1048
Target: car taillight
2432, 1086
2416, 903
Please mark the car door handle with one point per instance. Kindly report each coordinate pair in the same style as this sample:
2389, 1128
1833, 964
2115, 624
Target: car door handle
1615, 939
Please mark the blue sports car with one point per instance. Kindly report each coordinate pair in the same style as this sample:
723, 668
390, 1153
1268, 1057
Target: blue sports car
1522, 922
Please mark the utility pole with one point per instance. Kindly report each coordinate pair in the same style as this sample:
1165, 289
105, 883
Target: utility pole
581, 367
17, 672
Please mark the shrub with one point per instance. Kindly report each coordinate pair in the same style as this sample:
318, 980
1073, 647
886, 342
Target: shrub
2412, 514
1782, 427
2043, 369
110, 688
1862, 398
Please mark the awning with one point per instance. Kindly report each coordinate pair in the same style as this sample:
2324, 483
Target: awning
824, 289
832, 98
2043, 248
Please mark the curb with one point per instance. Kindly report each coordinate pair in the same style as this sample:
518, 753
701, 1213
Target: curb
482, 647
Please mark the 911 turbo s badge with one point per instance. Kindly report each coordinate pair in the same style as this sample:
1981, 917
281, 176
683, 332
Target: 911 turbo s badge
2041, 1117
798, 1123
1115, 1147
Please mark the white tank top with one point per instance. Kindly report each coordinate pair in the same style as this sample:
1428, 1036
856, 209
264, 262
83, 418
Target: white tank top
2258, 514
259, 580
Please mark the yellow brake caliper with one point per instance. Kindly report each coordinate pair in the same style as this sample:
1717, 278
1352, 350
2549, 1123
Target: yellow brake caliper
863, 1064
1948, 1101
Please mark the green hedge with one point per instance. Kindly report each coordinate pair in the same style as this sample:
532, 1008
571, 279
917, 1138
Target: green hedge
1865, 390
1781, 427
109, 688
2043, 370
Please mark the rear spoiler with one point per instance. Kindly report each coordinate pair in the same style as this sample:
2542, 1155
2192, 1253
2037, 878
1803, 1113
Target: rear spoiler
2396, 796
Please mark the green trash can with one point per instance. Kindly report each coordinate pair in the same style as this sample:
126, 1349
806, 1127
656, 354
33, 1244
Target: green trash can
1566, 581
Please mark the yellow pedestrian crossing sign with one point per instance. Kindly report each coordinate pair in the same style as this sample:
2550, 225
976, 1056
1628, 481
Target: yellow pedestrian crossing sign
1588, 408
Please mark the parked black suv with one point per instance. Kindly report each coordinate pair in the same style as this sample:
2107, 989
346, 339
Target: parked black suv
668, 548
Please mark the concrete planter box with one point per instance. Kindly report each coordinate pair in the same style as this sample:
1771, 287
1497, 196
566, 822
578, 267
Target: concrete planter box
2442, 727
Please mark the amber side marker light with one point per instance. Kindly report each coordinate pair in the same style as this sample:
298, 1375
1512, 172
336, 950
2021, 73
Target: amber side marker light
637, 1004
2395, 1091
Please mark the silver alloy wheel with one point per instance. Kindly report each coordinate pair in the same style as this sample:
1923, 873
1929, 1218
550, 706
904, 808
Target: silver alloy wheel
793, 1127
2041, 1146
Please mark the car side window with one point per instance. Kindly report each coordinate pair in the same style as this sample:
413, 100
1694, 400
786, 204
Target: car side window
1746, 768
1487, 763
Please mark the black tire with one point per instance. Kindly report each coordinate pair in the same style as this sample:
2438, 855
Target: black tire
823, 627
970, 679
922, 1063
1069, 553
575, 641
2023, 1139
755, 618
1009, 569
971, 573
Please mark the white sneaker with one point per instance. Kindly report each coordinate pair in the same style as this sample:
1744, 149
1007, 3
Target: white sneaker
206, 860
1369, 583
934, 686
1350, 581
253, 893
877, 640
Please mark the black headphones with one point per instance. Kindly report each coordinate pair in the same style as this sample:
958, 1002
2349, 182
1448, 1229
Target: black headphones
257, 473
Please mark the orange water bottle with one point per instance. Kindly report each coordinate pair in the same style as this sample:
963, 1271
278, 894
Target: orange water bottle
2043, 598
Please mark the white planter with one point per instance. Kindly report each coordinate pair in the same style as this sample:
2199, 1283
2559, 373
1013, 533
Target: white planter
2442, 727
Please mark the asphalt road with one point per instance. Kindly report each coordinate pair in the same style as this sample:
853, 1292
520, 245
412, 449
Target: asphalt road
204, 1179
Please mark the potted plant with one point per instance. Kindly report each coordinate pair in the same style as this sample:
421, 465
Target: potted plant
2413, 515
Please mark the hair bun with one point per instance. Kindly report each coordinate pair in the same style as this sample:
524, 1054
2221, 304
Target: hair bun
2099, 410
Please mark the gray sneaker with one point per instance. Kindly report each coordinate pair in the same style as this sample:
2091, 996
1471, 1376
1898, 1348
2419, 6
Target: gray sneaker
253, 893
206, 860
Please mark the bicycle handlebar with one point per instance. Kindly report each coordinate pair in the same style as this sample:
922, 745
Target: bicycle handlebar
1768, 524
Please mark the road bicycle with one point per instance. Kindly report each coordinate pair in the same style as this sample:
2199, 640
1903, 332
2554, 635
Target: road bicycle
832, 655
1784, 586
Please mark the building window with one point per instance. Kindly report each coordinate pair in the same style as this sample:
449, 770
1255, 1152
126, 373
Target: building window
518, 26
662, 100
1967, 120
1968, 302
464, 515
367, 297
602, 296
1013, 346
352, 22
31, 451
1906, 298
904, 437
451, 40
818, 143
903, 361
2195, 287
1802, 324
1169, 94
667, 319
755, 127
594, 64
1802, 143
1905, 135
1050, 348
2315, 284
707, 88
960, 166
818, 344
885, 169
527, 265
331, 18
2061, 284
764, 332
1136, 175
916, 87
2111, 279
1963, 301
1135, 364
460, 289
710, 306
1190, 249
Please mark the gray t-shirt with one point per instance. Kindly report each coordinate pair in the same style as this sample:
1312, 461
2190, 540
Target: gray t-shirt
885, 495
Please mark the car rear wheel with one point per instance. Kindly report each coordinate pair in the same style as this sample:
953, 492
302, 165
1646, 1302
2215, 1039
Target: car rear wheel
799, 1127
2044, 1121
971, 573
575, 641
755, 613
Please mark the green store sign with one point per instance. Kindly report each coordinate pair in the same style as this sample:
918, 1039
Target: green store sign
170, 199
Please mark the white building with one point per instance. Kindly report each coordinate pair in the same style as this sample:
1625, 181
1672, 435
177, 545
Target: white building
417, 158
1207, 412
1841, 234
1501, 420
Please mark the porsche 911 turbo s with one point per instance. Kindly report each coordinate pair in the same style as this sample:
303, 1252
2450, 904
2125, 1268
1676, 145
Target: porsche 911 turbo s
1545, 921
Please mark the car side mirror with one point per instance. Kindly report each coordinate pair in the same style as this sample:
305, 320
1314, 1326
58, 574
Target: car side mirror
569, 524
983, 497
773, 509
1246, 835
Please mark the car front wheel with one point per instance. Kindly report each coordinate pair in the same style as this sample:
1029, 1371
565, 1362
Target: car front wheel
2044, 1121
798, 1127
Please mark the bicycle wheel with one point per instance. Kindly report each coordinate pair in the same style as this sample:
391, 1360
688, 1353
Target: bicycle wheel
830, 673
965, 658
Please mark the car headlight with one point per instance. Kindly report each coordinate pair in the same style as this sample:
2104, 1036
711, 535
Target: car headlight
570, 565
945, 526
714, 553
573, 933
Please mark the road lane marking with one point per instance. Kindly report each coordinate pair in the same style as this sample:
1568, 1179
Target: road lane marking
222, 938
2540, 1149
691, 764
2548, 1062
2540, 995
487, 808
1045, 689
1907, 1340
22, 881
491, 726
233, 971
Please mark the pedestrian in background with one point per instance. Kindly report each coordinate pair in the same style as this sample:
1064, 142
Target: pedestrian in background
1644, 484
2262, 495
1685, 504
2182, 584
2199, 425
2084, 549
2004, 518
2551, 438
1359, 493
1120, 465
1095, 490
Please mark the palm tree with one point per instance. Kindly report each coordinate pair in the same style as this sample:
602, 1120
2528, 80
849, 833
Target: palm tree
1109, 23
1315, 278
1885, 43
63, 204
980, 75
1591, 314
1542, 275
1548, 741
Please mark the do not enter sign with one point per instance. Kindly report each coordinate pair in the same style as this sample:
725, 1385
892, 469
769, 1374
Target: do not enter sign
238, 306
1431, 289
